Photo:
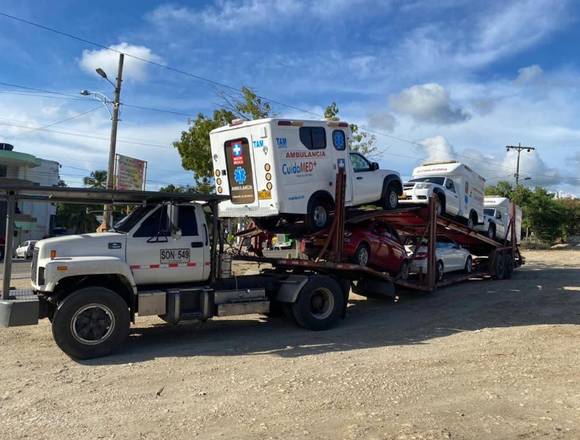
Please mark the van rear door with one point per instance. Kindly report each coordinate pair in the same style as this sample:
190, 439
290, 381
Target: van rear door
240, 171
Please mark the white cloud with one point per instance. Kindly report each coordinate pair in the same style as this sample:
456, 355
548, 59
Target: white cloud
239, 14
428, 103
437, 148
108, 61
529, 74
382, 120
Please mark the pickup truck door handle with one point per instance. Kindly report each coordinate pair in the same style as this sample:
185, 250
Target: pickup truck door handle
359, 178
196, 244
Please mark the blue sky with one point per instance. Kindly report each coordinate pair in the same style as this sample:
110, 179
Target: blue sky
458, 79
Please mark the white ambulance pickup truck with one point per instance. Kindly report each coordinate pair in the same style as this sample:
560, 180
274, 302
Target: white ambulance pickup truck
274, 168
458, 188
497, 213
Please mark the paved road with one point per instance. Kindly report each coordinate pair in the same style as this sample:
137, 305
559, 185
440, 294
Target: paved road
20, 269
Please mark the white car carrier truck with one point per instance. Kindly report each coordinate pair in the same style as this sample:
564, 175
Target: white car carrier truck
274, 168
458, 188
167, 258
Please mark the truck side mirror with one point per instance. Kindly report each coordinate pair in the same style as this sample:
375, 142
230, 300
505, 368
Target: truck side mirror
374, 166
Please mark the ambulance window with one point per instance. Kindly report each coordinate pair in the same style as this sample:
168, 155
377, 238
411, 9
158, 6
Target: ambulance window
449, 185
339, 140
313, 138
186, 221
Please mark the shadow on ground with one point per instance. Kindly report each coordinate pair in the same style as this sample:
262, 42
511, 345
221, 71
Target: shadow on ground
535, 295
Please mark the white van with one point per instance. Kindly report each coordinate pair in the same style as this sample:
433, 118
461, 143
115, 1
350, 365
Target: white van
274, 168
497, 213
458, 188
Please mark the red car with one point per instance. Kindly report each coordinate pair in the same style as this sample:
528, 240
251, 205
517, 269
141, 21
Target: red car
375, 244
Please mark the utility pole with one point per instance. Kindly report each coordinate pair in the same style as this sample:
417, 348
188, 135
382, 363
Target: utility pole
108, 209
519, 148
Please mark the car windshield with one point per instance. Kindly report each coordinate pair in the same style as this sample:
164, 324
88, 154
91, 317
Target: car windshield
436, 180
128, 222
489, 211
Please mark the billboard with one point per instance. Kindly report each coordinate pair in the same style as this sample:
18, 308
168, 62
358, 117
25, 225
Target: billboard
129, 173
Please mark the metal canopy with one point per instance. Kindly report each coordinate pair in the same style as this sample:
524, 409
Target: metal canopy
52, 194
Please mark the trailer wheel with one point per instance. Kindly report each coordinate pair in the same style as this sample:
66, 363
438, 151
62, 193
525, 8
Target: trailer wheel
499, 266
509, 265
320, 303
91, 322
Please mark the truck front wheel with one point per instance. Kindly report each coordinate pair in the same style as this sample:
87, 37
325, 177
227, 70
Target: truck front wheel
91, 322
319, 304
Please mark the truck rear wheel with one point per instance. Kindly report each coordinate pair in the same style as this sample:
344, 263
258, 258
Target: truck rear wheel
499, 266
91, 322
319, 304
391, 198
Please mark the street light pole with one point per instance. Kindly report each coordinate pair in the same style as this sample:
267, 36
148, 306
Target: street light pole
107, 211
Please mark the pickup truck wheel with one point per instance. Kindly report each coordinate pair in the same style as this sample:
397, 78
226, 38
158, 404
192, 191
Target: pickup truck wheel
472, 220
318, 213
491, 231
439, 205
320, 303
91, 322
391, 198
362, 255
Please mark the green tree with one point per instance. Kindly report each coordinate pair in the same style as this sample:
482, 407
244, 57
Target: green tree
502, 189
194, 147
97, 179
361, 141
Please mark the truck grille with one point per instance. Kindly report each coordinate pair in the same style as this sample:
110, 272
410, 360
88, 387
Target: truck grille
408, 185
33, 269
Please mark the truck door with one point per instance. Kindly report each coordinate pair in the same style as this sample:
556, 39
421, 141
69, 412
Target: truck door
452, 203
240, 171
364, 180
156, 256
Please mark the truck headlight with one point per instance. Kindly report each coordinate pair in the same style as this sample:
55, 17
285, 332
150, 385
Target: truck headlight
422, 186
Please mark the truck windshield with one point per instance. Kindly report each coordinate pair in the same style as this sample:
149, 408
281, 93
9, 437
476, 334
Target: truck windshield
489, 211
435, 180
128, 222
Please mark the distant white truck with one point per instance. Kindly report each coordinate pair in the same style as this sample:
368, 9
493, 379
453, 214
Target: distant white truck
497, 214
458, 188
274, 168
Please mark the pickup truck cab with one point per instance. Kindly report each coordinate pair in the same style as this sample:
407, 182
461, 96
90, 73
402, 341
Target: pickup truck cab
459, 190
497, 214
274, 168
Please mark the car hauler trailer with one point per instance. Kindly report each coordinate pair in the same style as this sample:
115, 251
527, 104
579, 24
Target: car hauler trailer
91, 291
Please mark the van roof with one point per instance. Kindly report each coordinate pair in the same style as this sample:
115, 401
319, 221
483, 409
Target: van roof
235, 124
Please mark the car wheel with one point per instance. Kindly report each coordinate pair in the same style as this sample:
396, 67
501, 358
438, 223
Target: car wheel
404, 271
468, 265
391, 198
362, 255
440, 271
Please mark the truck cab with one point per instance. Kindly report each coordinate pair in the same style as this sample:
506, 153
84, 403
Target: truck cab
274, 168
155, 244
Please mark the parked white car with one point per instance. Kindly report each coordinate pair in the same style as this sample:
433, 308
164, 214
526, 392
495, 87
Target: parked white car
450, 257
458, 188
274, 168
25, 249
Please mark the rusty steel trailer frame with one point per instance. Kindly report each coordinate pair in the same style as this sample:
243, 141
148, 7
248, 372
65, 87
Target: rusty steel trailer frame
427, 225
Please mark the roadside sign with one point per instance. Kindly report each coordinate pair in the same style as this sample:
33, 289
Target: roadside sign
130, 173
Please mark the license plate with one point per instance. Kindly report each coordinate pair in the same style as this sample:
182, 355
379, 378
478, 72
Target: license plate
169, 256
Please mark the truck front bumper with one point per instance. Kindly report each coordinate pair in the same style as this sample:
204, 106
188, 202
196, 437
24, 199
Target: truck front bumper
21, 308
414, 196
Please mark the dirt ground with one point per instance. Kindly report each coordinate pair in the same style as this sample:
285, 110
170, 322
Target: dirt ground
481, 360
